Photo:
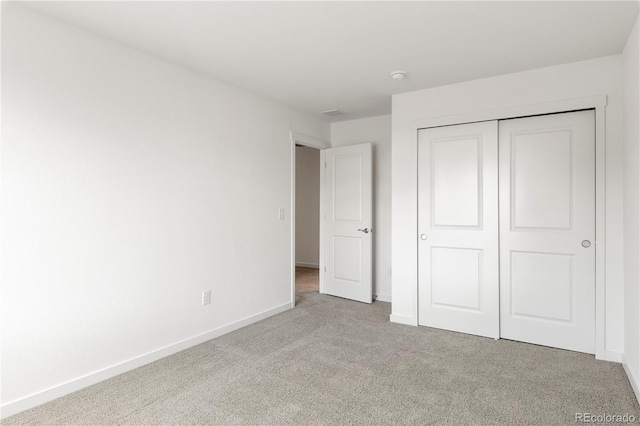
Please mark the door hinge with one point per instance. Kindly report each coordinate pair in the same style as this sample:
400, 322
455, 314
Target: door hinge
325, 269
325, 164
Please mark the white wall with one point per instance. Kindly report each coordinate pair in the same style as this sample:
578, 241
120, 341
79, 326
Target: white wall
376, 130
307, 207
631, 76
589, 78
130, 185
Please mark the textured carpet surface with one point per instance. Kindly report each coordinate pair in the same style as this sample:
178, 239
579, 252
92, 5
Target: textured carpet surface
335, 362
307, 280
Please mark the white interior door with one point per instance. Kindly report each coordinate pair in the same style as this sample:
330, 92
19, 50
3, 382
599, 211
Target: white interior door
547, 230
348, 222
458, 228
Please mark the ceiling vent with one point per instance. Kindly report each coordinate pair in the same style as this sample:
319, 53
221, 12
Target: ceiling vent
332, 112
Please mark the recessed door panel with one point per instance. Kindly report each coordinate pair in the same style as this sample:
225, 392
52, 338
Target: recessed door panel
547, 210
456, 278
458, 227
347, 187
347, 254
542, 176
456, 181
542, 286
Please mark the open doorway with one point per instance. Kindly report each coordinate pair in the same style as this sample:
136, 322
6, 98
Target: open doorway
307, 258
344, 188
307, 220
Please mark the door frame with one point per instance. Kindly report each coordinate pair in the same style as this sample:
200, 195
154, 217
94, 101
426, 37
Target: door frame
319, 144
597, 103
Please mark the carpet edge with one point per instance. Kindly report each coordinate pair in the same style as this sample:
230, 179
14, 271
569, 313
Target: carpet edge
30, 401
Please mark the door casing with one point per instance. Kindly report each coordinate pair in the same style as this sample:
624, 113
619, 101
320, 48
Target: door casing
311, 142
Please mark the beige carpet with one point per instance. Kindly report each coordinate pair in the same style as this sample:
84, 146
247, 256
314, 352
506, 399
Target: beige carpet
307, 280
330, 361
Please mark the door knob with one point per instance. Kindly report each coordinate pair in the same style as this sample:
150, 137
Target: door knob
423, 237
586, 243
365, 230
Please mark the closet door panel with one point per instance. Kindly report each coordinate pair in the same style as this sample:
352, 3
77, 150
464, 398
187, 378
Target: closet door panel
547, 230
458, 228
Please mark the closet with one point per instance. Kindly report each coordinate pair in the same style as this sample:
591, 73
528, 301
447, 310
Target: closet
506, 222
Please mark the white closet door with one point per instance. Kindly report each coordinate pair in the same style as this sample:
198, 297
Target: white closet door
458, 228
547, 230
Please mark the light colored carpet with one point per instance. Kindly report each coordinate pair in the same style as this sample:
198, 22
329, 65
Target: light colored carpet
334, 362
307, 280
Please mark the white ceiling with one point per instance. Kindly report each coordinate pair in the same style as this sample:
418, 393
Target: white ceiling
315, 56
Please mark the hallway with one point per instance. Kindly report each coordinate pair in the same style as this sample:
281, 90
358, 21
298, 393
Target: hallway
307, 280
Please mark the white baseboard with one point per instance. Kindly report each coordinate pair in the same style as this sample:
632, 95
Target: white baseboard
612, 356
308, 265
635, 381
38, 398
401, 319
383, 297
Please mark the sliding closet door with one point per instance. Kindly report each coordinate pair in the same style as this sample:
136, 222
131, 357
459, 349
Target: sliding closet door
458, 228
547, 230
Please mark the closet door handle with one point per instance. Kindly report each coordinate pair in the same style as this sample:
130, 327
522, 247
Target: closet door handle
586, 243
365, 230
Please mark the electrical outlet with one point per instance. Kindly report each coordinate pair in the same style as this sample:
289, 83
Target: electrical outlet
206, 297
281, 214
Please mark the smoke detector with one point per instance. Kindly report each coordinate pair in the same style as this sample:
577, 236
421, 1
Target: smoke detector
398, 75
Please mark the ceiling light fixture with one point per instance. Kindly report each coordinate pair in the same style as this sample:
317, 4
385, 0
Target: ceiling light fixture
398, 75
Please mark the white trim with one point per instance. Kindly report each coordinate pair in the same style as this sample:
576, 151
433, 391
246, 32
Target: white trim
383, 297
512, 112
596, 102
292, 210
635, 382
308, 265
612, 356
322, 266
309, 141
38, 398
601, 352
401, 319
